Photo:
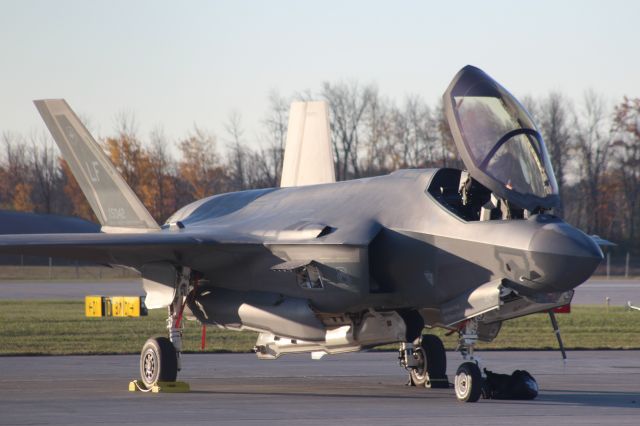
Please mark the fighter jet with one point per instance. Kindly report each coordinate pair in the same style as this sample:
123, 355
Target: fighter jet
329, 267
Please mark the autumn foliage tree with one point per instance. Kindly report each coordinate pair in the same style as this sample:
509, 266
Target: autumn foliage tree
200, 168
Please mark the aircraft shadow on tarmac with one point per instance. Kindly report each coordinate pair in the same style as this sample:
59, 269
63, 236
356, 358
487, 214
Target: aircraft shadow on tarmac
360, 395
587, 399
611, 399
346, 389
607, 399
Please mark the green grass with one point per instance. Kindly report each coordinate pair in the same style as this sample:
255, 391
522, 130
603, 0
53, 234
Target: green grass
60, 328
586, 327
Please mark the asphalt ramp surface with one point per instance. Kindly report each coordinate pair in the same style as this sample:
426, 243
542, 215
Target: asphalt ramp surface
592, 388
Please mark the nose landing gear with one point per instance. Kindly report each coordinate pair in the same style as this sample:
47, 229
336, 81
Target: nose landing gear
468, 382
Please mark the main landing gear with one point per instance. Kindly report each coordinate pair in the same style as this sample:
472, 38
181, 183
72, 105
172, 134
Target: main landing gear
424, 356
426, 361
158, 361
429, 367
160, 358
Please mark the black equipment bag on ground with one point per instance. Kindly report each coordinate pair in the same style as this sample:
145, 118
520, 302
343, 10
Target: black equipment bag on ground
519, 385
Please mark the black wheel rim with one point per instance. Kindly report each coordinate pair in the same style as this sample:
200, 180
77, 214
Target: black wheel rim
420, 372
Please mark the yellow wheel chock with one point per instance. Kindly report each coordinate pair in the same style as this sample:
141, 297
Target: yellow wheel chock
160, 387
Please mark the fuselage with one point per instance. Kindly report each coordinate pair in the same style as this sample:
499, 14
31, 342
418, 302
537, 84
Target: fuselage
393, 244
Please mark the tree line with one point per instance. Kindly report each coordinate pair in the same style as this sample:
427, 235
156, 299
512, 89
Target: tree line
594, 149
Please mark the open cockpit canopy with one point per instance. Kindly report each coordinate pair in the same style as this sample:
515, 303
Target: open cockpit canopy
498, 142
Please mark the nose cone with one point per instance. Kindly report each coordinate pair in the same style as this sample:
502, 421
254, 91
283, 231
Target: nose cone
564, 256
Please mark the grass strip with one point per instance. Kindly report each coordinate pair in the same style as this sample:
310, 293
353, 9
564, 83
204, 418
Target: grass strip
60, 328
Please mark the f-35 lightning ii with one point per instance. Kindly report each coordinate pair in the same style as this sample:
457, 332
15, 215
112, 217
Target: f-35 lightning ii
330, 267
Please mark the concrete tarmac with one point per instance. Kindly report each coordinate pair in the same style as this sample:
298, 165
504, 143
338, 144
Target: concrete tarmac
594, 388
593, 292
68, 290
619, 290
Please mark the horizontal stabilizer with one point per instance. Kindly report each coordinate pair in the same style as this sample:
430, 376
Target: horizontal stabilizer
601, 241
112, 200
308, 158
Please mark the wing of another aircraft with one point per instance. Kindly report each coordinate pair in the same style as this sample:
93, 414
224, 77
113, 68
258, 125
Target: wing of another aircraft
112, 200
308, 158
12, 222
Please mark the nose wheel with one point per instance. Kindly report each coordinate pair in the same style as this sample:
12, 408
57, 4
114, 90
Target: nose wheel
468, 382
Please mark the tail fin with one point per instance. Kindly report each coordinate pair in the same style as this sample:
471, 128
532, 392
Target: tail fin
112, 200
308, 158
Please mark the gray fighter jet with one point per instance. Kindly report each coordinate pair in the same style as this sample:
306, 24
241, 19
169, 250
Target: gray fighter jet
330, 267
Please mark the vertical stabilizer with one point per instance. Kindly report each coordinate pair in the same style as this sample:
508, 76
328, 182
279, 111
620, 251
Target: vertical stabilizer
308, 157
113, 202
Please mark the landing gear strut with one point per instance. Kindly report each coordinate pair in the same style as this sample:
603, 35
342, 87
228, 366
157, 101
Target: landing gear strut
469, 381
160, 359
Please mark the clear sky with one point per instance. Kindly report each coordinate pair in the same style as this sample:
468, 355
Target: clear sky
176, 63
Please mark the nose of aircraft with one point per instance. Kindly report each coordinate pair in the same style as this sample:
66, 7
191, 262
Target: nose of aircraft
564, 257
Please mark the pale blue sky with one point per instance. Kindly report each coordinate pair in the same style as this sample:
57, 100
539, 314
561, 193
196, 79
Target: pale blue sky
176, 63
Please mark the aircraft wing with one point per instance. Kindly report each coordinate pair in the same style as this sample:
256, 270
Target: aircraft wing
132, 249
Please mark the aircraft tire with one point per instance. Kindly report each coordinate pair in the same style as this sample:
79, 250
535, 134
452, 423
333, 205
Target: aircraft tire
468, 382
158, 361
432, 372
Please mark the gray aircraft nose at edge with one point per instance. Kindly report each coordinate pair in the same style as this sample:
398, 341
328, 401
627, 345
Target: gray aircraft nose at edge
566, 255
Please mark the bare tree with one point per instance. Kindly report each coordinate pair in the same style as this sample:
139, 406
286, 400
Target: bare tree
422, 131
448, 156
592, 151
377, 135
269, 164
46, 174
348, 103
554, 122
626, 125
237, 152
